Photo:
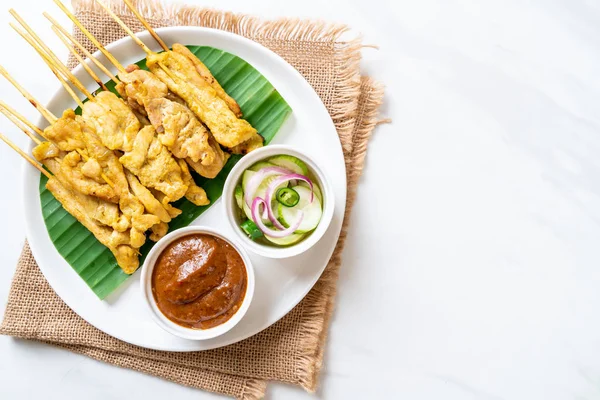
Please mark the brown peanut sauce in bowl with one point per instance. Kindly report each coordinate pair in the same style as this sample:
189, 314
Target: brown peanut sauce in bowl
199, 281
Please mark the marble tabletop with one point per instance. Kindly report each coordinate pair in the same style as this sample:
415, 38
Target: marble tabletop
472, 268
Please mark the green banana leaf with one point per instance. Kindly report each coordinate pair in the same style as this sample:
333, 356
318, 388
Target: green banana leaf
262, 106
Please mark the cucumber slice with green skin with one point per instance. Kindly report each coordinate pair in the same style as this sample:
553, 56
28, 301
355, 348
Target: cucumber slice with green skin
316, 189
312, 211
286, 241
290, 162
238, 193
246, 177
262, 188
261, 191
261, 165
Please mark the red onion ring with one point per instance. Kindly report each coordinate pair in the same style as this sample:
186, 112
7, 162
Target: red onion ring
257, 179
273, 187
265, 229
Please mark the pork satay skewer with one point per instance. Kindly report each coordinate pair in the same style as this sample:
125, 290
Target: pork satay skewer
126, 255
51, 118
88, 69
67, 35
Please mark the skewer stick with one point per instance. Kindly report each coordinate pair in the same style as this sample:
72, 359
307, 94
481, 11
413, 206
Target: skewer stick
85, 51
103, 175
125, 27
53, 58
167, 71
146, 25
88, 69
87, 33
22, 118
20, 125
51, 118
52, 66
25, 155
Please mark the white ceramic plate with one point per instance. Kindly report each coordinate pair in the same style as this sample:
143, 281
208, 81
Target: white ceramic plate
280, 284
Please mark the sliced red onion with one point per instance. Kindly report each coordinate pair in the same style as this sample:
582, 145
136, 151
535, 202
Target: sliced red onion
273, 187
265, 213
265, 229
258, 177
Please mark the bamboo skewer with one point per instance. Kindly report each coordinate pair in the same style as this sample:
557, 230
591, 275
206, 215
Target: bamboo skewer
65, 34
68, 74
146, 25
25, 155
22, 119
51, 118
20, 125
102, 175
125, 27
87, 33
88, 69
52, 66
167, 71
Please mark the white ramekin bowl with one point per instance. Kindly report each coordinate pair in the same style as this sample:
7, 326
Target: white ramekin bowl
231, 208
160, 318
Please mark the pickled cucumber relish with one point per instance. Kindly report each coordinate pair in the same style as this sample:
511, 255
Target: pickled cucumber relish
278, 201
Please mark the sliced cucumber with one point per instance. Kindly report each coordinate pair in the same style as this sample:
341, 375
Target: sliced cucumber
312, 211
261, 165
247, 211
290, 162
286, 241
238, 193
246, 178
262, 188
316, 189
260, 192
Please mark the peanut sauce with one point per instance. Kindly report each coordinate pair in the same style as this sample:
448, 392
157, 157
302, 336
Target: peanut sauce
199, 281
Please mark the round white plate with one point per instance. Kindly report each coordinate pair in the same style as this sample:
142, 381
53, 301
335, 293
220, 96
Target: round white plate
280, 284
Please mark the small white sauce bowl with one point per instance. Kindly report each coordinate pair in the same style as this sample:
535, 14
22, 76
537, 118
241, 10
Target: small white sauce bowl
232, 210
160, 318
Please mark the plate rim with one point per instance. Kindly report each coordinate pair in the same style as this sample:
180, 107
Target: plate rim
144, 35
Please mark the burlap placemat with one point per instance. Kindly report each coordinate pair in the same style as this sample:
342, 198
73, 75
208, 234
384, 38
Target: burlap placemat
291, 350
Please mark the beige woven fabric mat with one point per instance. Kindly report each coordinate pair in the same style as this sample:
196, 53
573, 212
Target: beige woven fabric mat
291, 350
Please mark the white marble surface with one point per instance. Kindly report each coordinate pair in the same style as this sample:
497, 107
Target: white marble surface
472, 267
